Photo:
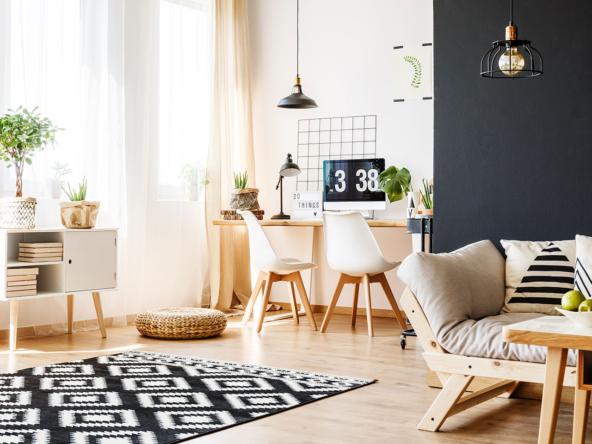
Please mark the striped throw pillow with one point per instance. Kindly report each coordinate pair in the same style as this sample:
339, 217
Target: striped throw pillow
538, 274
583, 281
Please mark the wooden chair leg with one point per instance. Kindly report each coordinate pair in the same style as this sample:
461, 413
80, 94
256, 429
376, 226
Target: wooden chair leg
270, 280
366, 281
293, 303
354, 314
581, 408
554, 373
391, 298
445, 402
99, 309
333, 303
70, 313
13, 324
254, 296
305, 301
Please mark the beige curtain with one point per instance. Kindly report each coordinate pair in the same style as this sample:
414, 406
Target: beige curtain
231, 150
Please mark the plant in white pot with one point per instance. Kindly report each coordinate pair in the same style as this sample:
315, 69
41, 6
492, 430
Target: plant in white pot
54, 183
193, 177
22, 135
79, 213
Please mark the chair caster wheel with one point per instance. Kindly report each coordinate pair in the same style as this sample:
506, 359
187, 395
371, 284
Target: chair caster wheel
403, 343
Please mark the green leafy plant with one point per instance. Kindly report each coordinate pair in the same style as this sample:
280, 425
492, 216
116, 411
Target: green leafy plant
417, 67
426, 197
60, 170
395, 183
22, 134
77, 195
241, 180
193, 174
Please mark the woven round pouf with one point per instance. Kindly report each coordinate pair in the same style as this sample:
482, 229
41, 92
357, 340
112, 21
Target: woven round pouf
181, 323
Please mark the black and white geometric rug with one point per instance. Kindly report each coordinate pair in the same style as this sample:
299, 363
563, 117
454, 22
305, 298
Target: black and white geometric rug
149, 398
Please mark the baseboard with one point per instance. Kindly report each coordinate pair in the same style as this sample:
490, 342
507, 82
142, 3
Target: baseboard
26, 332
376, 312
526, 390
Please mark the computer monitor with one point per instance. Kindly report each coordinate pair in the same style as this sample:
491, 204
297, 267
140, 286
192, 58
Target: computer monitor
353, 185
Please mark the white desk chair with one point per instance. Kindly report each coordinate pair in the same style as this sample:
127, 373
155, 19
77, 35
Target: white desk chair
273, 269
352, 250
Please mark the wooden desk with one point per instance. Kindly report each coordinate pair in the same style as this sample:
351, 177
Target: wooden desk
558, 334
400, 223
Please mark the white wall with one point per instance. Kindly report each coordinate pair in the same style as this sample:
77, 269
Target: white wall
347, 66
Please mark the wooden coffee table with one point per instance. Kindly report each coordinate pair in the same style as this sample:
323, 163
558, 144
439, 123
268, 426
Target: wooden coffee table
558, 334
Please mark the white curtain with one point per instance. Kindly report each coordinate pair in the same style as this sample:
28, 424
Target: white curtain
67, 57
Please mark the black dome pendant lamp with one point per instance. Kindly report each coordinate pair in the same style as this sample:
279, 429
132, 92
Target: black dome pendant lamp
511, 64
297, 100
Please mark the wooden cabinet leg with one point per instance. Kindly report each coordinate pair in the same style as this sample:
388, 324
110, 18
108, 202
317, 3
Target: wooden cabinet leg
554, 373
70, 313
99, 310
366, 280
13, 324
581, 407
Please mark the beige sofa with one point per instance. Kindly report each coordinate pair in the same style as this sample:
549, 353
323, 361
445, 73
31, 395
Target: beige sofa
453, 301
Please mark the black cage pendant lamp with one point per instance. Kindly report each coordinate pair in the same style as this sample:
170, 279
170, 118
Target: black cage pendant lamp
297, 100
505, 61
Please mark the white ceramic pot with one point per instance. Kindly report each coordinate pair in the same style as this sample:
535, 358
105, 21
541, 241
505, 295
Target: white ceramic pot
54, 187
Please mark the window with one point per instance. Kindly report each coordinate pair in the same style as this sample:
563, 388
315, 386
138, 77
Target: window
184, 97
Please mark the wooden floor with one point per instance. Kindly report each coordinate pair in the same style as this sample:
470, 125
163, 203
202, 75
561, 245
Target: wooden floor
379, 413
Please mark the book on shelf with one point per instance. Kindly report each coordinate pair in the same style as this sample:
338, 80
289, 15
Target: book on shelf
41, 245
39, 254
40, 250
10, 294
40, 259
23, 287
21, 271
24, 277
21, 283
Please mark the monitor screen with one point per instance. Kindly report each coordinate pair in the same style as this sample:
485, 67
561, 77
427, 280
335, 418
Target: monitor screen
353, 180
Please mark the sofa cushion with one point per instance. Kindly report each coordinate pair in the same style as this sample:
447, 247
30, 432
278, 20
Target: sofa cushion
455, 287
583, 278
483, 338
538, 274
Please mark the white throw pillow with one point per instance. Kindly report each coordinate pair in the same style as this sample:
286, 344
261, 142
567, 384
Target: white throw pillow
538, 274
583, 282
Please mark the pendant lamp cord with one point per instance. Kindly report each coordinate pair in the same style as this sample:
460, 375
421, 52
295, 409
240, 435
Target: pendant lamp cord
511, 12
297, 37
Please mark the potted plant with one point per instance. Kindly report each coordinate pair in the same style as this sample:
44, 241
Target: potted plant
22, 135
395, 183
54, 184
78, 213
243, 198
192, 175
427, 198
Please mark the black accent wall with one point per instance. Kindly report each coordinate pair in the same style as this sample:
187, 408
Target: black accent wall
512, 158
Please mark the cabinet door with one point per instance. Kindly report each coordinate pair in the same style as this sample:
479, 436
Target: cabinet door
91, 260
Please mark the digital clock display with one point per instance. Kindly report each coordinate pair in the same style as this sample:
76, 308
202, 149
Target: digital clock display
352, 180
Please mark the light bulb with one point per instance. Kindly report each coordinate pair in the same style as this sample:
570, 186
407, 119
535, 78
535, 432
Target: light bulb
517, 62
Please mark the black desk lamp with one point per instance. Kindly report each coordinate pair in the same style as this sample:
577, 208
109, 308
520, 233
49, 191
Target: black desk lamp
288, 169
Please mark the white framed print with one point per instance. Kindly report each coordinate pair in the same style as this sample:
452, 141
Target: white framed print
413, 72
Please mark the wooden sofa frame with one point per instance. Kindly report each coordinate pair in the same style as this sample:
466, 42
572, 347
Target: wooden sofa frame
456, 372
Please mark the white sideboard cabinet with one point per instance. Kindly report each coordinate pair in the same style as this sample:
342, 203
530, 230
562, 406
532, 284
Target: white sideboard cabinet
88, 265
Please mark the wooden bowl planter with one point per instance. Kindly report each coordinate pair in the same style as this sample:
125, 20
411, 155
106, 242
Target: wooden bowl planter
17, 212
81, 214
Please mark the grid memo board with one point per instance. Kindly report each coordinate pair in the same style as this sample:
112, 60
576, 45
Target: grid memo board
332, 138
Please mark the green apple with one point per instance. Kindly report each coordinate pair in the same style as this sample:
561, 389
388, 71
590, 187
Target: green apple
571, 300
586, 305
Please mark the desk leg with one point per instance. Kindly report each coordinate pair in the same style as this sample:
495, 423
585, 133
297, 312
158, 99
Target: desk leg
581, 407
554, 373
99, 310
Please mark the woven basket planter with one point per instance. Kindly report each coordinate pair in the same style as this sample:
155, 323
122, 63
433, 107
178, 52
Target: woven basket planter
17, 212
181, 323
245, 199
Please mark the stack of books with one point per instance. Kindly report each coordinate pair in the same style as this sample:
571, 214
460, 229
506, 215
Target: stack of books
21, 282
41, 252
